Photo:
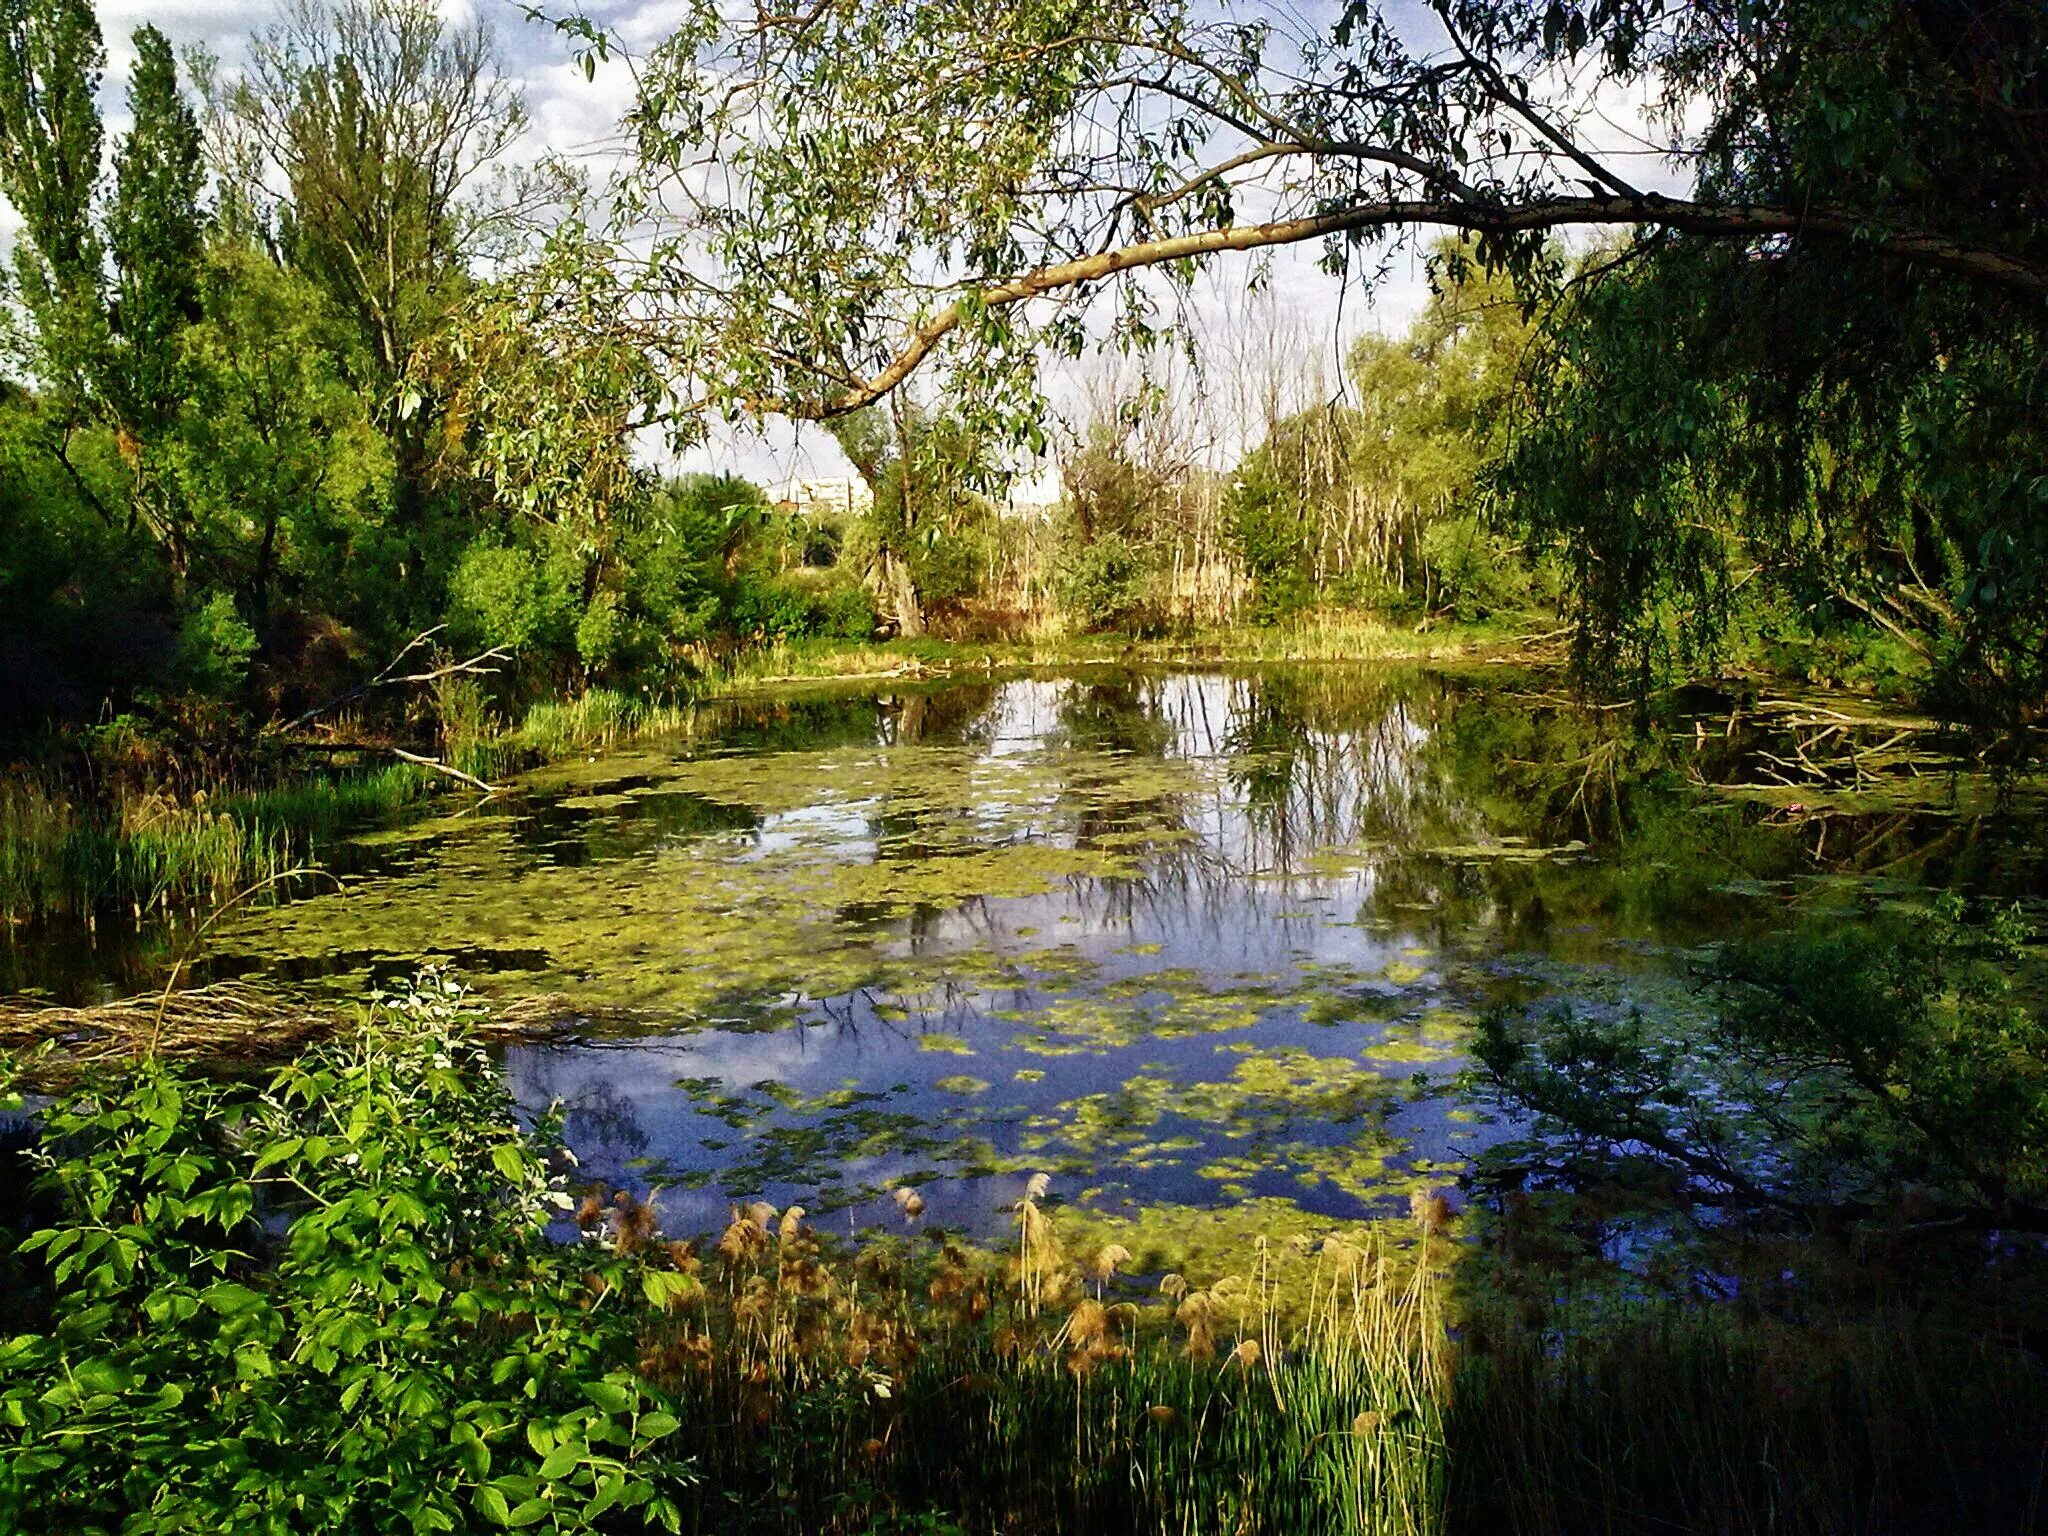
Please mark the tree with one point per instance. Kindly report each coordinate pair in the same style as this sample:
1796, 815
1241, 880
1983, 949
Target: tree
155, 231
51, 57
911, 177
384, 123
875, 191
921, 468
104, 346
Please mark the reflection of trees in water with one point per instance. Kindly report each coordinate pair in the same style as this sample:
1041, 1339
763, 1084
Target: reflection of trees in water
952, 712
599, 1121
1387, 763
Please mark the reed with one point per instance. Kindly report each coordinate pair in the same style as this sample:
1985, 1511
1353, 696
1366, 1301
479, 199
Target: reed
919, 1384
150, 853
1653, 1417
920, 1379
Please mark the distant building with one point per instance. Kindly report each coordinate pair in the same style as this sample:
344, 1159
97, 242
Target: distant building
844, 496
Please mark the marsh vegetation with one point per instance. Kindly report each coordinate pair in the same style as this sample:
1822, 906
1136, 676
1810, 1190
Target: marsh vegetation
1251, 921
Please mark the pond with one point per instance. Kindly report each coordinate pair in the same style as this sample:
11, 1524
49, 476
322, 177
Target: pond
1205, 947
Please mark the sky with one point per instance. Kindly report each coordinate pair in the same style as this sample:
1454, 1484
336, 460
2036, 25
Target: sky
579, 117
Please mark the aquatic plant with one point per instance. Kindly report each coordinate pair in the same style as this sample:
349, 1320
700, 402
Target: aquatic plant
332, 1302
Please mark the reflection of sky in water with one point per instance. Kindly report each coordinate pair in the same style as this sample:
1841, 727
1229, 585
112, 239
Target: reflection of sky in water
965, 1087
1180, 940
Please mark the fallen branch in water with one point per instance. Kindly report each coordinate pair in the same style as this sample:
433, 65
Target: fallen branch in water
438, 766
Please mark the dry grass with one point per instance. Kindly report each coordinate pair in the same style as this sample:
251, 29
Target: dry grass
229, 1022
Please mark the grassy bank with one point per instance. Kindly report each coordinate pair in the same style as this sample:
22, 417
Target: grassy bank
1335, 636
146, 853
141, 852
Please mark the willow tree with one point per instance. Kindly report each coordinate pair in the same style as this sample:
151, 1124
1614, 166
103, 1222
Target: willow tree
834, 196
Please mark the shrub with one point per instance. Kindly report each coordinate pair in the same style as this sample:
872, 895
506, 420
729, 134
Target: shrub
846, 611
502, 595
771, 607
1475, 572
1103, 584
214, 647
411, 1353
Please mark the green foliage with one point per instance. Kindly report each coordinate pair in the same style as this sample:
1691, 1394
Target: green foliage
214, 646
412, 1352
1103, 584
1848, 1069
154, 233
504, 595
1379, 503
1475, 572
1812, 428
1264, 520
51, 57
845, 611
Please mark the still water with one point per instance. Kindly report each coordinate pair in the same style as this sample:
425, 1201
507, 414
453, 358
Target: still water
1207, 948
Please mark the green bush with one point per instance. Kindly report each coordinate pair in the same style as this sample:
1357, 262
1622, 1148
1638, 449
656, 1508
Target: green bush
1264, 525
1103, 584
1475, 573
503, 595
772, 608
327, 1306
214, 647
846, 611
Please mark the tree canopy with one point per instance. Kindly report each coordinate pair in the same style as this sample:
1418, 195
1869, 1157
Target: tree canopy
1804, 343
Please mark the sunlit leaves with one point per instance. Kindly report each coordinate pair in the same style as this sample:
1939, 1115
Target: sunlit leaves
413, 1348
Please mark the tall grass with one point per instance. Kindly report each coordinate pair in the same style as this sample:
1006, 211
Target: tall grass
928, 1386
1658, 1417
594, 721
149, 853
62, 855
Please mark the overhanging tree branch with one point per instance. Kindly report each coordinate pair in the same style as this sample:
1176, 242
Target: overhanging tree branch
1737, 221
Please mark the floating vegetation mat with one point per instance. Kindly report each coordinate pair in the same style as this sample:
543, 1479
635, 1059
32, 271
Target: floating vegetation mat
1194, 943
226, 1021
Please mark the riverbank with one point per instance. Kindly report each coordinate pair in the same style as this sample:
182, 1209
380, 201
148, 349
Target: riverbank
121, 846
771, 1379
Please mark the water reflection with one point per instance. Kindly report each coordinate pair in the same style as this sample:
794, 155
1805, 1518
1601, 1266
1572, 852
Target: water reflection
1184, 939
